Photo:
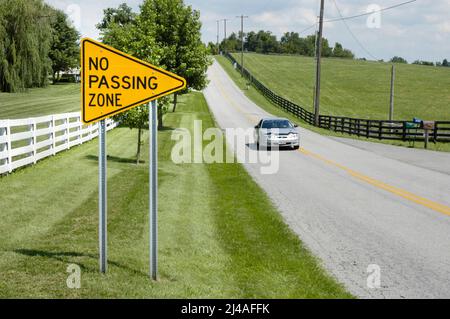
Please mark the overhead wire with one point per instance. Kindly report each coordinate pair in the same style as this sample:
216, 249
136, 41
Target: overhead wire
359, 15
352, 34
371, 12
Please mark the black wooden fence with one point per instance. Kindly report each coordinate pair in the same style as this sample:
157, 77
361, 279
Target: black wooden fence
379, 129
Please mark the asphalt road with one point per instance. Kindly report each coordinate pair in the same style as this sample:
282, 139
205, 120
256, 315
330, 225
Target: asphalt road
354, 207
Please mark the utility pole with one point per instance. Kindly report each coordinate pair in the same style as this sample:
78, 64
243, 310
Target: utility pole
218, 29
318, 66
225, 28
391, 109
242, 43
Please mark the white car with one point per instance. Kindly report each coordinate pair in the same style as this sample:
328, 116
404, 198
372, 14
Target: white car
276, 132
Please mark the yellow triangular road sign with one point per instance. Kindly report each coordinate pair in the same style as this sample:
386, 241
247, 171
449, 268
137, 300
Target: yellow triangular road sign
113, 82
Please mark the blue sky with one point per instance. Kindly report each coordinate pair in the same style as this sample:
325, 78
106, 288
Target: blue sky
420, 30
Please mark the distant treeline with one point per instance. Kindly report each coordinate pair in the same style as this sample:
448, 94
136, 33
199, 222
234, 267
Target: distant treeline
290, 43
36, 42
398, 59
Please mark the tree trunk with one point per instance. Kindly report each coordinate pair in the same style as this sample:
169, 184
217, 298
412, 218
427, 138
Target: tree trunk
160, 118
175, 98
138, 155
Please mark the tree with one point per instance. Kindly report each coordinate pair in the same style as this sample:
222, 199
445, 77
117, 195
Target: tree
164, 33
267, 43
340, 52
121, 16
177, 31
64, 51
398, 59
232, 44
327, 51
310, 42
212, 49
420, 62
135, 118
261, 42
25, 39
251, 42
292, 43
3, 62
125, 31
445, 63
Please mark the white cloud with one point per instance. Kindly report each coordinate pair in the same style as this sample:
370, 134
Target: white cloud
444, 27
420, 30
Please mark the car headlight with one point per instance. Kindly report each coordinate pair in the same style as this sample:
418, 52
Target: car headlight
293, 135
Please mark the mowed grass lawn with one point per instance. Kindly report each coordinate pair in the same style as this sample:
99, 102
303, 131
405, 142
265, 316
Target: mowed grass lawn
219, 234
54, 99
357, 88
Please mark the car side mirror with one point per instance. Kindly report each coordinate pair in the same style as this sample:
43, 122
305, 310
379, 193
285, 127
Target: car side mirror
257, 127
295, 125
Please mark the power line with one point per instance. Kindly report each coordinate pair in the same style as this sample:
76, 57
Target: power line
359, 15
352, 34
308, 28
369, 13
344, 18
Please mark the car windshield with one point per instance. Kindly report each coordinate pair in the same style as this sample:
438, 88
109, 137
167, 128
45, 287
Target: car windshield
276, 124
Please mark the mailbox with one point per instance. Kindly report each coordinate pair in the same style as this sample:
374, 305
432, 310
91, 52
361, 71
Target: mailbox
428, 125
410, 125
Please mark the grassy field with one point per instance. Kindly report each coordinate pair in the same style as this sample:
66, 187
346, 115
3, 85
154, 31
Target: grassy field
219, 234
53, 99
271, 108
357, 88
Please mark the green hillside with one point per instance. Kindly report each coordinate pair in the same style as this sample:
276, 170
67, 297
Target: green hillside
357, 88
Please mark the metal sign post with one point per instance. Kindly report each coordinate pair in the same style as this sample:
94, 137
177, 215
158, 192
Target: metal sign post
102, 198
107, 91
153, 188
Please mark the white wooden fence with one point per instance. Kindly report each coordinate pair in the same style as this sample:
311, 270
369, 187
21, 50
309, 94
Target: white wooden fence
26, 141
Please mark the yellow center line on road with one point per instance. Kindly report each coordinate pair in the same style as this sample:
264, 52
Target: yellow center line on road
392, 189
443, 209
250, 117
